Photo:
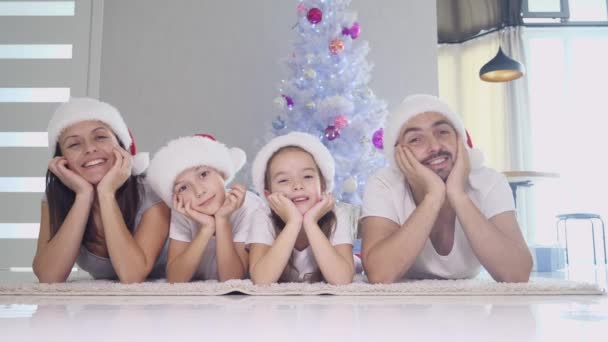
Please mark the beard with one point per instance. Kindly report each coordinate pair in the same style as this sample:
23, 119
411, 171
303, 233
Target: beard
442, 173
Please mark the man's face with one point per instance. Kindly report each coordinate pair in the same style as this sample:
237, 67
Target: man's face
433, 140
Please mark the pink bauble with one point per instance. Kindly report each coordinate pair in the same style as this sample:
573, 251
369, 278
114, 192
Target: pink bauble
340, 121
378, 139
302, 8
314, 15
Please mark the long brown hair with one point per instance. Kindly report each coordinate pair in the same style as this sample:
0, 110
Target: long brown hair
60, 199
327, 223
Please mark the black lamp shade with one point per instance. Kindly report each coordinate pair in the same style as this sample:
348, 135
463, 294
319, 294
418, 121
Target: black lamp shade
501, 68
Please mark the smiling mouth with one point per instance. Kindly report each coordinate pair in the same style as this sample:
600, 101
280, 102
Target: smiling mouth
436, 161
206, 202
300, 199
93, 163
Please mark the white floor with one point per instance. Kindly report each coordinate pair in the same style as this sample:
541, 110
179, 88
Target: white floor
329, 318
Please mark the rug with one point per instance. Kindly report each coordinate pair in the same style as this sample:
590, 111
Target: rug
469, 287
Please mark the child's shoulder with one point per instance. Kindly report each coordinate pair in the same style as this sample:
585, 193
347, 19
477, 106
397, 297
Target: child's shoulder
253, 201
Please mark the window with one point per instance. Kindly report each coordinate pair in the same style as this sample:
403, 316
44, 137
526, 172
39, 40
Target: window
568, 120
46, 55
565, 12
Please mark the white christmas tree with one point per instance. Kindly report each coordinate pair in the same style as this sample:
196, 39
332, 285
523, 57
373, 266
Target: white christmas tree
327, 93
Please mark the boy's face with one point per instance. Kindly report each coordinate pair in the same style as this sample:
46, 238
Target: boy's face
201, 186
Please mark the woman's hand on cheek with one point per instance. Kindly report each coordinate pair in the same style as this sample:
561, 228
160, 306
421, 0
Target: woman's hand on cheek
118, 174
59, 167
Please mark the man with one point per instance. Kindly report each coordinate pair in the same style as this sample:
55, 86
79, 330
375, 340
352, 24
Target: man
436, 212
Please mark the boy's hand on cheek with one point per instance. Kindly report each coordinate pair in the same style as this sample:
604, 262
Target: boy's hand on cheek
233, 200
207, 222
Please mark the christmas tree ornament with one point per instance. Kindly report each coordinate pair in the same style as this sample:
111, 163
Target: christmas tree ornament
314, 15
378, 139
311, 74
340, 122
354, 31
302, 9
350, 185
336, 46
279, 102
332, 133
278, 123
288, 101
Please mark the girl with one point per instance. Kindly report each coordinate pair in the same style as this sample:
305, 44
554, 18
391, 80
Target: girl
97, 211
304, 240
208, 225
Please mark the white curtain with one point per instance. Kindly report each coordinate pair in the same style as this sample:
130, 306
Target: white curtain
496, 114
554, 119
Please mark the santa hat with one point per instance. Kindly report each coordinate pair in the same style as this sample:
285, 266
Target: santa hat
187, 152
85, 109
418, 104
305, 141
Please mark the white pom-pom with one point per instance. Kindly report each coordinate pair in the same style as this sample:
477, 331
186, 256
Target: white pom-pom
141, 161
476, 158
279, 102
239, 158
350, 185
311, 74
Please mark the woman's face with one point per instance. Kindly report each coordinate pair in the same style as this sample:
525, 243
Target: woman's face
88, 148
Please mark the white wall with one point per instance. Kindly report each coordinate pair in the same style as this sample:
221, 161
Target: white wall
187, 66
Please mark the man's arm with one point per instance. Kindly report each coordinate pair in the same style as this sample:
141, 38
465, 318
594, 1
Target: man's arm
389, 250
497, 242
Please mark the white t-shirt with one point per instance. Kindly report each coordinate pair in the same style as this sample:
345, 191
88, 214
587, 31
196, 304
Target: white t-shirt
388, 195
303, 263
185, 229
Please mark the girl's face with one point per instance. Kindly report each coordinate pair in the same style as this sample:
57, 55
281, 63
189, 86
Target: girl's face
88, 148
201, 186
294, 173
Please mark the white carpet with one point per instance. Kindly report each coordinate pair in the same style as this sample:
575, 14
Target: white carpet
472, 287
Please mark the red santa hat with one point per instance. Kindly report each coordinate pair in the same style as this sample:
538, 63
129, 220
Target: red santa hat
418, 104
186, 152
85, 109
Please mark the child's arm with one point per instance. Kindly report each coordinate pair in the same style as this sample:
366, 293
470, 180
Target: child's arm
133, 257
184, 257
335, 262
266, 263
56, 256
231, 257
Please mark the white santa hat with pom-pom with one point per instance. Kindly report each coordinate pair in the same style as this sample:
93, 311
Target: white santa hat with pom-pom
187, 152
86, 109
418, 104
305, 141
